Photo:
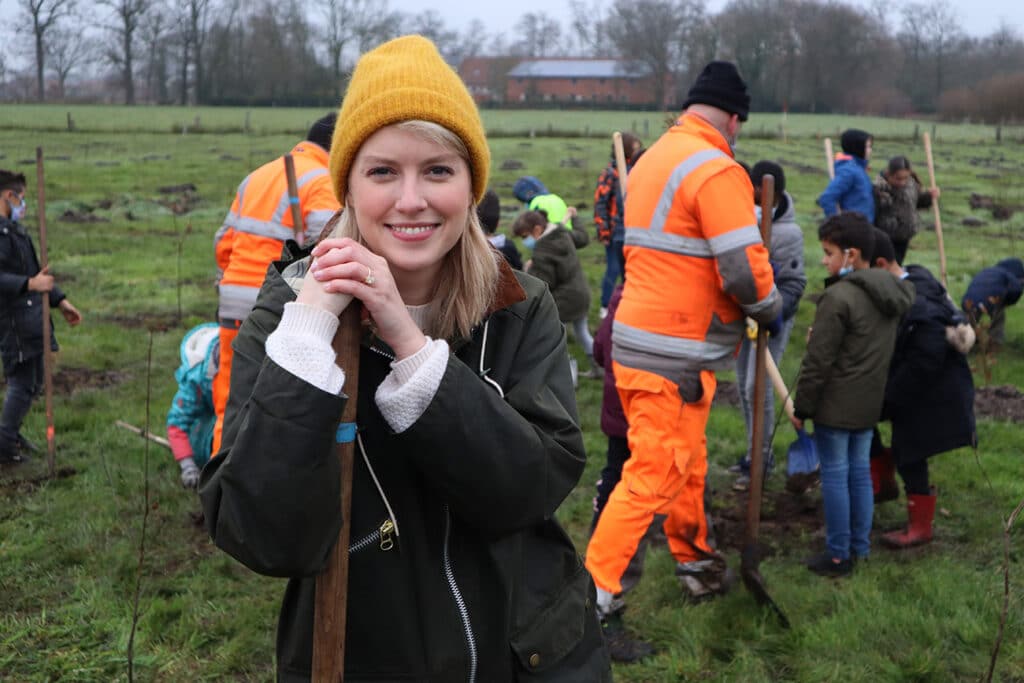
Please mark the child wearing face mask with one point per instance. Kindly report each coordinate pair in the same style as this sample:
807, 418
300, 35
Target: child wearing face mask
842, 382
555, 261
22, 285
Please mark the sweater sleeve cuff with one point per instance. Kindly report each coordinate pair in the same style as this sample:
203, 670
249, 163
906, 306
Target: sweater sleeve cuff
301, 344
410, 387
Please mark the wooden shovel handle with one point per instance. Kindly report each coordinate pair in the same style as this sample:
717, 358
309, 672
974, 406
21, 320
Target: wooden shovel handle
331, 602
761, 353
620, 162
935, 207
293, 200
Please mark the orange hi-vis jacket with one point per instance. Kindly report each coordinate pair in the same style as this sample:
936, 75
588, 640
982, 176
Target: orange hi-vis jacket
260, 220
695, 262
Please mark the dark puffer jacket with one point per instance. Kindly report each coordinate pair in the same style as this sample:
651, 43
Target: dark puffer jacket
481, 583
843, 374
930, 393
996, 286
21, 311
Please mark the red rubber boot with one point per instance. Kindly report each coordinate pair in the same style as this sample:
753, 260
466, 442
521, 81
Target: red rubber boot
921, 512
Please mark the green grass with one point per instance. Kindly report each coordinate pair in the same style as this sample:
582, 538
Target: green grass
89, 118
69, 547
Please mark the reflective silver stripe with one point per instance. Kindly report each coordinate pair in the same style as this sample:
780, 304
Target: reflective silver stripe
283, 203
667, 345
675, 180
240, 193
667, 242
236, 301
264, 228
316, 220
225, 226
735, 239
764, 304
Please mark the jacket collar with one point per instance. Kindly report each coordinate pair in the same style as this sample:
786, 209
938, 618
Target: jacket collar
694, 124
313, 151
509, 290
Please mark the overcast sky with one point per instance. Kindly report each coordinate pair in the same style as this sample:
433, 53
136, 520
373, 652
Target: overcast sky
978, 17
982, 17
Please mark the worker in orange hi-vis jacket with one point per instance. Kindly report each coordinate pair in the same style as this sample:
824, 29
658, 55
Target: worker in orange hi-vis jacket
254, 232
696, 268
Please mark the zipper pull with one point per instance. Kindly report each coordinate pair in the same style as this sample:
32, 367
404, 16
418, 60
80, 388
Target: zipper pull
387, 530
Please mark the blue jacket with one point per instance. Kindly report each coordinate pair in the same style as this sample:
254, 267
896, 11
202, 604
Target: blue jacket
999, 285
851, 189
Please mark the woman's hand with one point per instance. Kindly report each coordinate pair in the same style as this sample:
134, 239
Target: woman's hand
342, 269
934, 192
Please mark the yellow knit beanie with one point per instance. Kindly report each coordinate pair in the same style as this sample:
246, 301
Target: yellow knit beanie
402, 80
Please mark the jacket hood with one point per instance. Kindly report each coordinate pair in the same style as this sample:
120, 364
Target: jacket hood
855, 142
886, 291
930, 300
785, 212
1014, 266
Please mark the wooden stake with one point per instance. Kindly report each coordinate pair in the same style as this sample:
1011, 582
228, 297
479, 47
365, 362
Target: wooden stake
830, 162
293, 200
331, 603
935, 208
51, 441
620, 162
141, 432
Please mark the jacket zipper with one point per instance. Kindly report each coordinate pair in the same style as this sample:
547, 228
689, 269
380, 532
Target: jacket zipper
383, 536
460, 603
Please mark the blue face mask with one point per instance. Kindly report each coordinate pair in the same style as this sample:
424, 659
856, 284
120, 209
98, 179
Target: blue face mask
846, 269
18, 212
530, 242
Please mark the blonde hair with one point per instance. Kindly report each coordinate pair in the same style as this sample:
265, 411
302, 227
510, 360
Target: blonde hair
469, 274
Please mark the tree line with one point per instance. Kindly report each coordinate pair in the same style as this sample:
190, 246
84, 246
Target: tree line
796, 55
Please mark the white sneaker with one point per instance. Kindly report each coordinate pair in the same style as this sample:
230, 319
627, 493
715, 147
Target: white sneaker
604, 312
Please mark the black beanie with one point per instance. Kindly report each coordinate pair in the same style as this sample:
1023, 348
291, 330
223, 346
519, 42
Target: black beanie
489, 211
720, 85
322, 131
855, 142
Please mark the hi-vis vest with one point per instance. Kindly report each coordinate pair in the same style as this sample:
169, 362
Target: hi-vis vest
695, 263
259, 222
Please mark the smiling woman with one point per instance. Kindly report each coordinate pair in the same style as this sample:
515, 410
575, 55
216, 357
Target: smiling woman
467, 432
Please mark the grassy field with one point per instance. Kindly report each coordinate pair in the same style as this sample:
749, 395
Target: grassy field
70, 547
499, 123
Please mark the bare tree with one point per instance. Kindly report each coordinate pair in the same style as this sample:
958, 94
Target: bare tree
655, 33
44, 15
431, 24
586, 28
68, 50
123, 25
539, 35
153, 34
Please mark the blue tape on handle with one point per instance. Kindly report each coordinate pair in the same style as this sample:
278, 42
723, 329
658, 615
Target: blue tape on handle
346, 432
293, 200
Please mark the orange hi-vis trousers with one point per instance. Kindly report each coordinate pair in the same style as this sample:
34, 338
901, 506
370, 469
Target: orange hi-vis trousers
222, 383
663, 475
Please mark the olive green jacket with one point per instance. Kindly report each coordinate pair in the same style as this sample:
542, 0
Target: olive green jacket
458, 569
843, 374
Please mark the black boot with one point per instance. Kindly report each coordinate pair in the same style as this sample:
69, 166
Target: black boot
621, 646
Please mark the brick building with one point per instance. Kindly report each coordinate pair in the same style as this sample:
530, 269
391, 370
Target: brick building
596, 82
581, 81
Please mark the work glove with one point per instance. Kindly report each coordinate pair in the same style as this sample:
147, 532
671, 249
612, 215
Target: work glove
189, 473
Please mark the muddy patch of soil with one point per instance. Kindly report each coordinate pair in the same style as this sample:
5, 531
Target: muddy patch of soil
1002, 403
86, 215
783, 516
157, 322
68, 380
11, 484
